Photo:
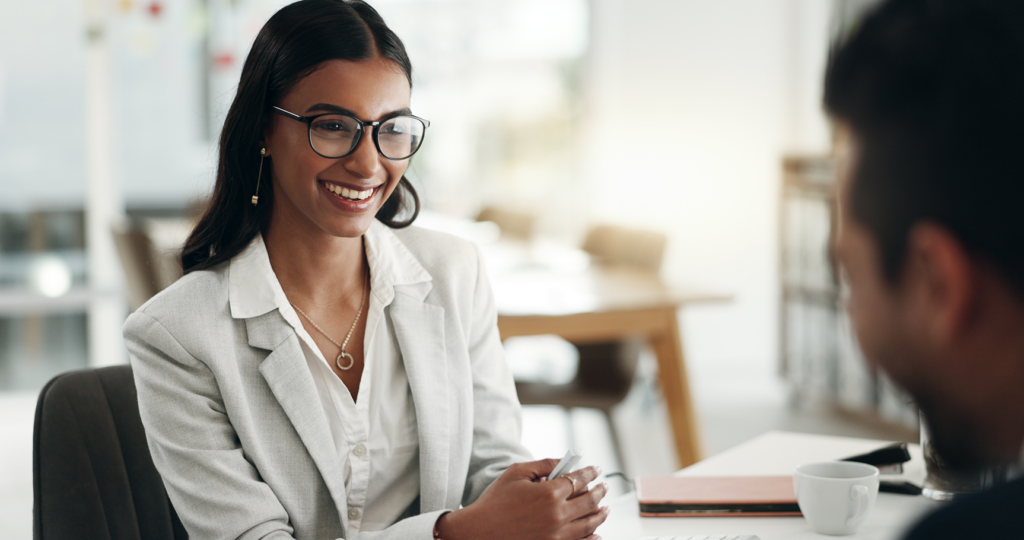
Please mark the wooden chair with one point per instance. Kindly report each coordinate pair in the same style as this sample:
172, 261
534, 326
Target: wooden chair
147, 269
606, 370
618, 246
513, 223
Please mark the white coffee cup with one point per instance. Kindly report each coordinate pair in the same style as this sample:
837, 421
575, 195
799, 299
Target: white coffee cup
836, 496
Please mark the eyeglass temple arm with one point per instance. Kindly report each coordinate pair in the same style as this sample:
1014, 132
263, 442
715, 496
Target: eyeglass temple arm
283, 112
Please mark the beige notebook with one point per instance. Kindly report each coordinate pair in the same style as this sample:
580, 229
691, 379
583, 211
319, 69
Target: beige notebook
662, 496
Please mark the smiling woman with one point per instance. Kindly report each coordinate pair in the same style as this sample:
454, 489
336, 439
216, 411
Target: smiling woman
324, 369
294, 45
310, 167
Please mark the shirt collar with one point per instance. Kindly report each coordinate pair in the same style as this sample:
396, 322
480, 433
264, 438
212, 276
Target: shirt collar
255, 290
391, 263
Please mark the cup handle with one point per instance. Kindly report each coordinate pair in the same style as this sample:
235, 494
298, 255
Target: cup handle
859, 494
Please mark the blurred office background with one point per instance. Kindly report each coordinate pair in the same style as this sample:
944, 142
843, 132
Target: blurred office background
697, 119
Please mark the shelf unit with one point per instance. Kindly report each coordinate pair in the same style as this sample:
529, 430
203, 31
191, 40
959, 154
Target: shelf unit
819, 357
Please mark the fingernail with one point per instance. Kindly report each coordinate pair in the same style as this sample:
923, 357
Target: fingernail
604, 485
598, 469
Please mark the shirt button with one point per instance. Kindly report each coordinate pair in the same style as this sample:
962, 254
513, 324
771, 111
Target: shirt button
353, 513
360, 450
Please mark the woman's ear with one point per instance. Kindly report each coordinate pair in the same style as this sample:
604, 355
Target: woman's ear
266, 136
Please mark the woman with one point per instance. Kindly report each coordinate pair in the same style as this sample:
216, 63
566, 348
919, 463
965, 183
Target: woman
323, 371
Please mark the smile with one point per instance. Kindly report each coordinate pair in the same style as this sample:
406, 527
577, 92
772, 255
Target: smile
349, 194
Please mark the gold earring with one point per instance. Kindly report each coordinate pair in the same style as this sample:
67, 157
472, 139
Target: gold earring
255, 198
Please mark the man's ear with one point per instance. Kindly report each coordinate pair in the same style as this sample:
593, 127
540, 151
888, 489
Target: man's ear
940, 278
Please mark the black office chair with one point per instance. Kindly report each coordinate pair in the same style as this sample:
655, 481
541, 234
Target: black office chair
92, 472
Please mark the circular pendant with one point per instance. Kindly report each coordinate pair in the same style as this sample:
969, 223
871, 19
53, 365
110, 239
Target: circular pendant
351, 361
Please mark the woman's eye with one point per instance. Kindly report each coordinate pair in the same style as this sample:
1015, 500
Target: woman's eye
331, 126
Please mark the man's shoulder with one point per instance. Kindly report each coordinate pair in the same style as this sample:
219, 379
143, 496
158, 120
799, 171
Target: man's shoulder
993, 514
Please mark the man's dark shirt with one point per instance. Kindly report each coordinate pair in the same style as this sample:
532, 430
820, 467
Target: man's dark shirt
997, 513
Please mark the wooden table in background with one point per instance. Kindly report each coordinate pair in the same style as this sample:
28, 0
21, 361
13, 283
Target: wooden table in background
544, 289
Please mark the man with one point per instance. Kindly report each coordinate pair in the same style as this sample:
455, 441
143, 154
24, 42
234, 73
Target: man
928, 99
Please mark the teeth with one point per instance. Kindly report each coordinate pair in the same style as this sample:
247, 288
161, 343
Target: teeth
349, 193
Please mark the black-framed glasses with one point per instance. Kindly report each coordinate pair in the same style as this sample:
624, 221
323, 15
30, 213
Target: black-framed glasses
336, 135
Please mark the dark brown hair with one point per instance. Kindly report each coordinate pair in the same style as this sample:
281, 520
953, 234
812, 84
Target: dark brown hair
932, 89
293, 44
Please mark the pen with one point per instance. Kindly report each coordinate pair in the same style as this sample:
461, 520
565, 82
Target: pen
572, 457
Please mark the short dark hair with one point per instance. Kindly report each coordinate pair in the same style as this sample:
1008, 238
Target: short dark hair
294, 43
933, 91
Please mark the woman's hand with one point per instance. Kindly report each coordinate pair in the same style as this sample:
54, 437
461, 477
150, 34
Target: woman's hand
519, 506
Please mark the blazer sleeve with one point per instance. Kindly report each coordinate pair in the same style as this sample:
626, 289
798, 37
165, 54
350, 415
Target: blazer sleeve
216, 491
497, 415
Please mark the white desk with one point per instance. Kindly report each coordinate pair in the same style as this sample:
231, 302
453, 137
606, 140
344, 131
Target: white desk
775, 453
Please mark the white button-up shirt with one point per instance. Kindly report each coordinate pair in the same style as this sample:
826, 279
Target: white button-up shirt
375, 435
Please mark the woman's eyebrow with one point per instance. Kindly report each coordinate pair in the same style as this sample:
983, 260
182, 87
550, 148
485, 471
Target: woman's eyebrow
327, 107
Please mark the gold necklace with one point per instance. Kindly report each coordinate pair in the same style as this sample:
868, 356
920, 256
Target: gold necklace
342, 354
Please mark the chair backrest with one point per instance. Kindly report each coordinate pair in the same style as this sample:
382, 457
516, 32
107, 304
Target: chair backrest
93, 475
149, 268
613, 245
134, 248
609, 367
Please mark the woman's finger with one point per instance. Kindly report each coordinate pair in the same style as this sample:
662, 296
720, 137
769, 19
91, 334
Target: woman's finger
577, 481
531, 470
588, 503
566, 486
585, 526
583, 478
587, 475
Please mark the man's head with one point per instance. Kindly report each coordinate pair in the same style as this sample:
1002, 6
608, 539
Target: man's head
929, 99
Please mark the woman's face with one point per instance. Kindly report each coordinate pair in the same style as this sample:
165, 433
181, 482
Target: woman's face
305, 183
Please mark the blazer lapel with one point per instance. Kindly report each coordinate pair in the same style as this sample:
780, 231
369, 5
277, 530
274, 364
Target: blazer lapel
419, 329
289, 379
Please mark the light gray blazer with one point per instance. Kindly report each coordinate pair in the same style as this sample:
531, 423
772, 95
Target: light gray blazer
236, 428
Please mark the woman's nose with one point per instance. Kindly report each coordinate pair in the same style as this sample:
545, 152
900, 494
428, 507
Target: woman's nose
364, 161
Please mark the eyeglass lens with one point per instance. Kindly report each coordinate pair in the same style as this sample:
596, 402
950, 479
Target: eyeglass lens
335, 135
